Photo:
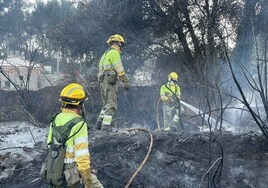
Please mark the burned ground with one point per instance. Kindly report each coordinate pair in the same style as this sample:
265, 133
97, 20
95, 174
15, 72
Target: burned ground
176, 160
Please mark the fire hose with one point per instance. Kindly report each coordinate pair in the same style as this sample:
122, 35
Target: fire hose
146, 157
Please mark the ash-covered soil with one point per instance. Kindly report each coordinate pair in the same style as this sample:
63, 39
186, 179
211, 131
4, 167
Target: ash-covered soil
185, 159
177, 160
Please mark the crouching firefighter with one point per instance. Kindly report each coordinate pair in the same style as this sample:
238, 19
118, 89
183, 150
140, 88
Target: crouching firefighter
68, 160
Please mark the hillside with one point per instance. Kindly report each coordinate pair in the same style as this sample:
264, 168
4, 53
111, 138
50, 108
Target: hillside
186, 158
43, 103
177, 160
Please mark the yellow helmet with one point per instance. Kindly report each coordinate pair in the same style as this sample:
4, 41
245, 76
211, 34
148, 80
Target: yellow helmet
173, 76
73, 94
116, 38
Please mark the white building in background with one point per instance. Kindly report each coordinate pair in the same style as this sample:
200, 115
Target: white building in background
17, 70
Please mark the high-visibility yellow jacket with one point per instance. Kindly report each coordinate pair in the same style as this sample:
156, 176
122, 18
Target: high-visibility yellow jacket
77, 146
168, 90
111, 61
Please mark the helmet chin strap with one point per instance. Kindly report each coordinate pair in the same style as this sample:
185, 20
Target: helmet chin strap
81, 110
120, 45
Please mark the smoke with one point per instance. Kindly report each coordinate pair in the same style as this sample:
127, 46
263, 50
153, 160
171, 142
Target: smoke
236, 113
143, 75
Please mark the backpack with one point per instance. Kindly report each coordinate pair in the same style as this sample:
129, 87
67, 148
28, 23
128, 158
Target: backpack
57, 150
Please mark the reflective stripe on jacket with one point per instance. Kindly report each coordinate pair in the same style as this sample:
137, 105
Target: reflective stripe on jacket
111, 61
168, 90
77, 146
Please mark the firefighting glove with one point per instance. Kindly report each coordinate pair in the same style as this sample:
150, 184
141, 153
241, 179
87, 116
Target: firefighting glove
126, 85
124, 79
86, 178
165, 98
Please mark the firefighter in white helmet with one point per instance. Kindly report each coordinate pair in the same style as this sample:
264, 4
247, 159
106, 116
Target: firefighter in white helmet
111, 71
170, 94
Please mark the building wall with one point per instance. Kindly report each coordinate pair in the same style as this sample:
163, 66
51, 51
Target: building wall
18, 75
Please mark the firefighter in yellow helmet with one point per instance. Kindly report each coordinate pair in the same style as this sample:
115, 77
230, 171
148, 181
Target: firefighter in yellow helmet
111, 71
77, 157
170, 94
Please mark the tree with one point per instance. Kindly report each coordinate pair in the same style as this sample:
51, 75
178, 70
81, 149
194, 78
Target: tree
94, 27
244, 40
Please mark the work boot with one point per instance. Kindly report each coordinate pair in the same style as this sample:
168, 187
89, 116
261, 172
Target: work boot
105, 128
98, 125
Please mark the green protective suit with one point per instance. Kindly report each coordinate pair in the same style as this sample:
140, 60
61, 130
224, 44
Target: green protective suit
110, 69
168, 94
